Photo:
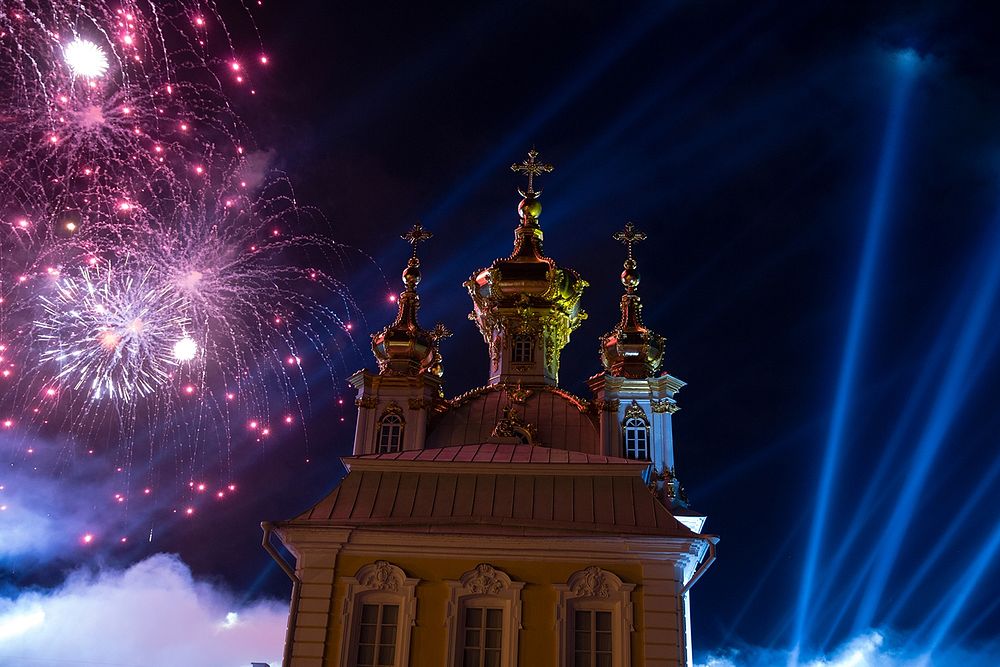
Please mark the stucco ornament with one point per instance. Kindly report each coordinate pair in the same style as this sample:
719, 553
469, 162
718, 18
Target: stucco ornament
485, 580
592, 584
381, 575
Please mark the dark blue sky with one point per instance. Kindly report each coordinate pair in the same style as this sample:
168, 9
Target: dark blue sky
747, 140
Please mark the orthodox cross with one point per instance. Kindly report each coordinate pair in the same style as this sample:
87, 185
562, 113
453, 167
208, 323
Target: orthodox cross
530, 168
629, 236
416, 235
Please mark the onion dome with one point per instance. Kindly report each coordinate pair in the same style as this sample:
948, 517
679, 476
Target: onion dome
403, 347
631, 350
525, 305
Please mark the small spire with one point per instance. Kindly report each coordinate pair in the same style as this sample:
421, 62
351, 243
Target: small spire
629, 237
531, 168
403, 347
631, 349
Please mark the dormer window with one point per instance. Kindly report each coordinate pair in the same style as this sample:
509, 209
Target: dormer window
523, 350
635, 428
390, 434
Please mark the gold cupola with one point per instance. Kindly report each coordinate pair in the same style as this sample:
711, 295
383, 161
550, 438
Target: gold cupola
404, 347
631, 350
526, 306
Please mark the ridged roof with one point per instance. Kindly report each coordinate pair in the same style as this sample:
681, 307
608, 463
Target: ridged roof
423, 491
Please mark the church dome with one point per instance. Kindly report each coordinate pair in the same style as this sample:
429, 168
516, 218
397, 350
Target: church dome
631, 349
526, 295
404, 347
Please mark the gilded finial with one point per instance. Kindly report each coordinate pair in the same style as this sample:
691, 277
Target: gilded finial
531, 168
411, 274
416, 235
629, 237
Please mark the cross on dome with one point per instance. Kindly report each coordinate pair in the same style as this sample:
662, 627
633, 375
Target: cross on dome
416, 235
531, 168
629, 236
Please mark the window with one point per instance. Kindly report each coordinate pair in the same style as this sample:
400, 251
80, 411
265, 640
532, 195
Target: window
377, 635
595, 613
592, 639
523, 350
636, 439
379, 611
482, 634
390, 434
484, 616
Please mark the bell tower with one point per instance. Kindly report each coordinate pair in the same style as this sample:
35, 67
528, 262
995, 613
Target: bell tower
526, 306
637, 400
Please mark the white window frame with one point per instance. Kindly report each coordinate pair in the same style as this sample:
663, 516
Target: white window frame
636, 420
399, 423
380, 582
596, 589
484, 586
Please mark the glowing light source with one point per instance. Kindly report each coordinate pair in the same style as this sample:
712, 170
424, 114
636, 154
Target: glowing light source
85, 59
185, 349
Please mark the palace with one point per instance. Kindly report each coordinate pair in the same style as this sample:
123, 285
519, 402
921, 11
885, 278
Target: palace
515, 524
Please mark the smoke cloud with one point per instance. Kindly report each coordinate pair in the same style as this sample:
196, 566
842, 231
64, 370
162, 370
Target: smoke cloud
873, 649
153, 613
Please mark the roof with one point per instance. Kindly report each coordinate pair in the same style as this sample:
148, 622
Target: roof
502, 488
561, 420
495, 453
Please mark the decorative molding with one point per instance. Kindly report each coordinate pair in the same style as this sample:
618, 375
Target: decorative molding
367, 402
392, 409
482, 585
592, 582
380, 582
485, 580
381, 575
609, 405
667, 405
421, 403
596, 589
635, 411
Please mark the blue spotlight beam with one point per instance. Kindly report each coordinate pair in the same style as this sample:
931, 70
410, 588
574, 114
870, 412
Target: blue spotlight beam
952, 390
953, 604
848, 367
955, 527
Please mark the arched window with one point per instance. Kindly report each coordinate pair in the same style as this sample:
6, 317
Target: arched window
381, 609
484, 616
595, 612
523, 349
390, 434
636, 432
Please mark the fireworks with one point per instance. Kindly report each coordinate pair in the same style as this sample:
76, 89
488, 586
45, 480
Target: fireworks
86, 59
155, 278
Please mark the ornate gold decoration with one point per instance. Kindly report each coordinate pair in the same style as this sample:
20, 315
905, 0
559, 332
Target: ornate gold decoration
665, 486
485, 580
421, 403
392, 409
403, 347
511, 425
667, 405
526, 293
367, 402
635, 411
518, 394
609, 405
382, 576
631, 350
531, 168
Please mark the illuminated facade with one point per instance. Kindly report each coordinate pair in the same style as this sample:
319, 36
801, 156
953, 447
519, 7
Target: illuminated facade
516, 524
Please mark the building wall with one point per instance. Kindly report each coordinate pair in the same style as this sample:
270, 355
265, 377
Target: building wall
660, 644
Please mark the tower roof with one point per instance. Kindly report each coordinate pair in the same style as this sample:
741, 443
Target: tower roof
631, 349
526, 292
404, 347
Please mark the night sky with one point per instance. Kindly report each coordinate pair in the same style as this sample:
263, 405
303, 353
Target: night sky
819, 185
